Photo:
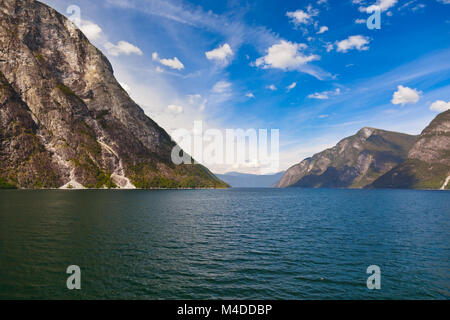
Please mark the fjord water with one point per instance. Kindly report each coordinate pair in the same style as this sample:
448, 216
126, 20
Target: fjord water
225, 244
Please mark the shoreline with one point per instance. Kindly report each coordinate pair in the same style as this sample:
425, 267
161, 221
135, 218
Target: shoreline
174, 189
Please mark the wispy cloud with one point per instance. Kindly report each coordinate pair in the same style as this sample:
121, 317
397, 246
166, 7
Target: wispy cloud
122, 48
221, 87
291, 86
325, 94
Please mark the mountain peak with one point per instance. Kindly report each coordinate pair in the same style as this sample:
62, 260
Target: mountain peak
366, 132
86, 127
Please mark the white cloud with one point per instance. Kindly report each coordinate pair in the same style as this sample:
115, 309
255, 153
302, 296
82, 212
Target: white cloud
325, 94
272, 87
383, 5
444, 1
285, 55
440, 105
291, 86
175, 108
171, 63
221, 87
250, 95
360, 21
405, 95
91, 30
300, 17
122, 47
353, 42
323, 29
221, 54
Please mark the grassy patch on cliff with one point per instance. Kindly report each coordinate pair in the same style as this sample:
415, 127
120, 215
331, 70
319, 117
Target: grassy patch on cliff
147, 176
414, 174
4, 184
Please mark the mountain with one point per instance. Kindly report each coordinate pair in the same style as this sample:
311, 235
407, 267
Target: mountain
428, 163
245, 180
64, 119
354, 162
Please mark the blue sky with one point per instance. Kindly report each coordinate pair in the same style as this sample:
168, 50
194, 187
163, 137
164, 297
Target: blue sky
311, 69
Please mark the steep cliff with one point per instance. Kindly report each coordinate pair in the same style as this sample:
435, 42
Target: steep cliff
354, 162
428, 163
66, 121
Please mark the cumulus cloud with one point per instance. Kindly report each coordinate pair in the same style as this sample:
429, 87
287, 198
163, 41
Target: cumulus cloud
322, 29
221, 54
122, 47
440, 105
300, 17
285, 55
250, 95
272, 87
383, 5
405, 95
175, 108
173, 63
324, 95
221, 87
358, 42
291, 86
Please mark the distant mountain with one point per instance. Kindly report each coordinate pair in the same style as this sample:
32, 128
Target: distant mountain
244, 180
428, 163
354, 162
65, 121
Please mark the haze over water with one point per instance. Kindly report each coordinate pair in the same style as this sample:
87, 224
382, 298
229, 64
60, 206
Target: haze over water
225, 244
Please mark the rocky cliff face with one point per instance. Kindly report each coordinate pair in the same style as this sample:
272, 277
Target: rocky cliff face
65, 120
354, 162
428, 163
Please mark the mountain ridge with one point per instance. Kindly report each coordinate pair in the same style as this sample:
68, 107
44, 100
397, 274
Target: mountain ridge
247, 180
354, 162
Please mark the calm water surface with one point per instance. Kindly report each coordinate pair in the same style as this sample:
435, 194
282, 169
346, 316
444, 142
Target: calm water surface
225, 244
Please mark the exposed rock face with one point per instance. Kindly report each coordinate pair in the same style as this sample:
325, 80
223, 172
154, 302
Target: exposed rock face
65, 120
428, 163
354, 162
